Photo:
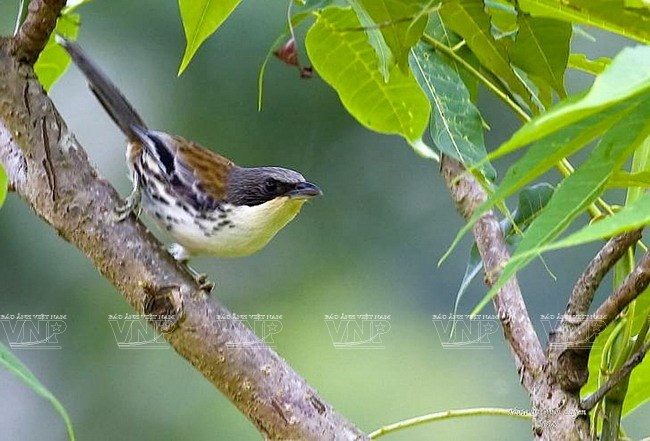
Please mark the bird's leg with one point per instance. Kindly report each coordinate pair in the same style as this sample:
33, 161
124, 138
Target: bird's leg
130, 204
180, 254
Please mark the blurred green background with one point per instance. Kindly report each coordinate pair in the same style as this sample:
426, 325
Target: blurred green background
370, 245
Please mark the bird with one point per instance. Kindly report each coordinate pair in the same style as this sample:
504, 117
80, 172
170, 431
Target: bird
204, 201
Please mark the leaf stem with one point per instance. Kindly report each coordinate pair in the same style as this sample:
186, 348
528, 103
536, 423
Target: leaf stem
438, 416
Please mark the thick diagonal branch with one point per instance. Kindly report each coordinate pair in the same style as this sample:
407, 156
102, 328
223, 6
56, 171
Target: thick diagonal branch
633, 285
592, 276
509, 304
50, 171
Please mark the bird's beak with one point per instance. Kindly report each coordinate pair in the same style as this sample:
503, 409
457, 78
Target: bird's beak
304, 190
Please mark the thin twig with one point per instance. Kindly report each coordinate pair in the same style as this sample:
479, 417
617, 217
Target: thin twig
590, 401
438, 416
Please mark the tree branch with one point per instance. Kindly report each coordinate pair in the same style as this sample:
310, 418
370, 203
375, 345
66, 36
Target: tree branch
556, 412
590, 401
633, 285
36, 29
589, 281
509, 304
50, 171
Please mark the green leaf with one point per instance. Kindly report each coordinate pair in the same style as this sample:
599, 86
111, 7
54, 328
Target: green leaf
437, 30
531, 202
347, 62
401, 22
375, 38
456, 126
625, 179
637, 4
638, 390
201, 18
503, 16
4, 185
54, 60
640, 164
605, 14
631, 217
543, 155
578, 190
17, 368
541, 49
626, 77
469, 19
472, 269
581, 62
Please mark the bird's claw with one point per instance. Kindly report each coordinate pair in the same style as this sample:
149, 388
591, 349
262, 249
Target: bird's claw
204, 283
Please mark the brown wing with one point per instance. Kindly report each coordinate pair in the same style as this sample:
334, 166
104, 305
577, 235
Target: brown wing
194, 172
202, 169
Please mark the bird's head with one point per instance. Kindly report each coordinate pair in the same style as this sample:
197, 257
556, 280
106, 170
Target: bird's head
258, 185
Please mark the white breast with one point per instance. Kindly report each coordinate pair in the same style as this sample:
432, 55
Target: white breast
232, 231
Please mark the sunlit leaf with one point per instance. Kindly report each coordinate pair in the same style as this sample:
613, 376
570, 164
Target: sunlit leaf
201, 18
604, 14
581, 62
347, 61
54, 60
375, 38
578, 190
4, 183
631, 217
625, 179
456, 127
17, 368
628, 75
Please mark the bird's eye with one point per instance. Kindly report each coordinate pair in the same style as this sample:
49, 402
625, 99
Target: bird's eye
271, 185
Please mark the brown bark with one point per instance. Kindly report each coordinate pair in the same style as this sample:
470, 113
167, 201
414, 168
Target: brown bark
556, 410
49, 169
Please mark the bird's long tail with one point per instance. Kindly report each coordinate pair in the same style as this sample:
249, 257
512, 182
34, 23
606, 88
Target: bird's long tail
119, 109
